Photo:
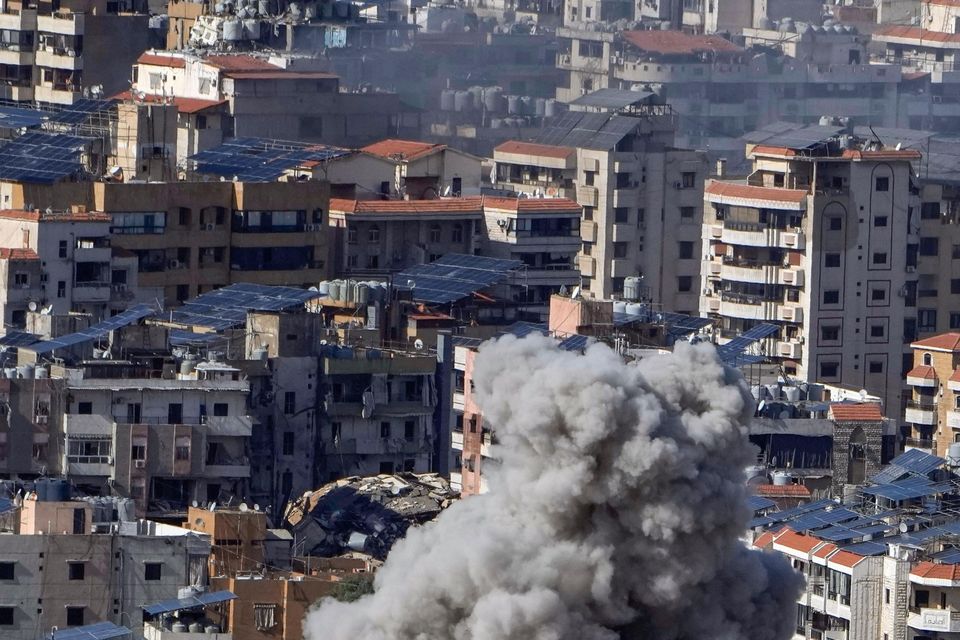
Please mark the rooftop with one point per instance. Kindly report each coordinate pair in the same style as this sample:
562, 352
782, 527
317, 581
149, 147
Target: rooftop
55, 216
943, 342
531, 205
534, 149
405, 150
923, 372
937, 39
160, 60
933, 570
473, 204
678, 43
783, 491
856, 412
184, 105
240, 63
18, 254
743, 194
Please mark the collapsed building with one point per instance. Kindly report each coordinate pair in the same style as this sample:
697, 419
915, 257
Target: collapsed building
365, 514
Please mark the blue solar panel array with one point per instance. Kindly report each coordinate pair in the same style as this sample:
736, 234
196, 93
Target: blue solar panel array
98, 631
14, 338
575, 343
42, 158
80, 111
20, 118
912, 462
732, 353
948, 556
97, 331
678, 324
200, 600
227, 307
759, 503
521, 329
454, 277
909, 489
784, 516
181, 338
261, 159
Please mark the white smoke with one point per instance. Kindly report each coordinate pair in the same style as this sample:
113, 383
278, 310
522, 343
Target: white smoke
615, 513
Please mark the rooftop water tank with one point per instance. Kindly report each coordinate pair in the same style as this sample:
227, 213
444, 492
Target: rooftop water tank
493, 99
310, 11
196, 627
781, 478
631, 288
619, 306
634, 309
953, 453
550, 108
232, 30
773, 391
251, 29
540, 107
476, 95
462, 101
447, 99
361, 293
52, 490
334, 288
526, 105
41, 372
513, 105
791, 394
323, 288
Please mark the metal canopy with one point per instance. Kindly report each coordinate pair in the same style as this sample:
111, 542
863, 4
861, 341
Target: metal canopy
200, 600
19, 118
575, 343
732, 353
261, 159
602, 131
180, 338
81, 110
908, 489
97, 331
454, 277
42, 158
792, 136
228, 306
758, 503
98, 631
521, 329
612, 98
912, 462
14, 338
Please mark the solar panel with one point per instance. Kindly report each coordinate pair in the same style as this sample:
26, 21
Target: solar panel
464, 341
261, 159
868, 548
784, 516
97, 331
180, 338
19, 118
908, 489
759, 503
42, 158
821, 518
914, 461
14, 338
98, 631
948, 556
454, 277
228, 306
81, 110
575, 343
732, 353
200, 600
611, 98
521, 329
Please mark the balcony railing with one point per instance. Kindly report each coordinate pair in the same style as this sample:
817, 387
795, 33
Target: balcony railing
919, 443
922, 405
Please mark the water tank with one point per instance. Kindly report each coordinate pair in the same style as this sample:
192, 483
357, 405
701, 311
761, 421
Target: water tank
781, 478
550, 108
619, 306
196, 627
757, 392
187, 366
178, 627
232, 30
211, 629
526, 105
251, 29
493, 99
310, 11
10, 372
513, 105
349, 291
496, 123
791, 394
953, 453
476, 95
462, 101
334, 289
323, 288
41, 372
376, 291
258, 354
361, 293
447, 100
26, 371
187, 592
52, 490
540, 107
40, 487
356, 541
773, 391
631, 288
126, 510
634, 309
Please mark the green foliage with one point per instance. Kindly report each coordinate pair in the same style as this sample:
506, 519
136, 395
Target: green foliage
353, 587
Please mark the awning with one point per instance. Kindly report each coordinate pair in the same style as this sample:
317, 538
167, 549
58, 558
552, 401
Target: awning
199, 600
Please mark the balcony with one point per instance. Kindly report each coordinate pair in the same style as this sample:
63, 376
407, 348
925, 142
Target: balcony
626, 197
790, 349
588, 231
69, 24
456, 440
921, 412
458, 400
923, 444
91, 291
16, 55
953, 419
587, 196
92, 254
59, 93
942, 620
59, 59
623, 232
587, 266
226, 470
754, 234
621, 268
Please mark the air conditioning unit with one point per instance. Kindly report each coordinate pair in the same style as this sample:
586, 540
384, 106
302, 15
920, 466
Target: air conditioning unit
120, 286
173, 264
209, 227
140, 464
911, 268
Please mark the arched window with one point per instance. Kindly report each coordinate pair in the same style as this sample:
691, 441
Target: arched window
927, 359
857, 467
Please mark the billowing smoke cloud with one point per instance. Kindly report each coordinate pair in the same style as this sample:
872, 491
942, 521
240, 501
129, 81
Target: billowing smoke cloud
615, 514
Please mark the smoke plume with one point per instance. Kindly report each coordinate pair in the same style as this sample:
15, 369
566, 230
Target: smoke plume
615, 513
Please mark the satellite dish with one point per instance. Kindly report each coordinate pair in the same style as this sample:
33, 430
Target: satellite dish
314, 289
47, 310
323, 343
256, 507
198, 522
243, 507
418, 344
195, 504
863, 395
32, 305
213, 506
762, 404
903, 527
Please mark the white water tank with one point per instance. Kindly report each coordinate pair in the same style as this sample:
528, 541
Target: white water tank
232, 30
476, 95
323, 288
953, 454
634, 309
493, 99
781, 478
619, 306
550, 108
791, 394
447, 100
540, 107
41, 372
462, 101
513, 105
361, 293
251, 29
334, 289
631, 288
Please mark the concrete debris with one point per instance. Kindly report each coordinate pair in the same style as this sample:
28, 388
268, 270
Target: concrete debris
365, 514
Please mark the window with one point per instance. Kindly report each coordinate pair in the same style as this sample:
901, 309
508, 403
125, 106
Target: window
85, 408
138, 450
62, 289
384, 429
880, 221
373, 262
831, 260
927, 359
220, 409
6, 616
930, 211
184, 217
352, 235
89, 450
955, 285
875, 366
75, 614
684, 283
877, 331
62, 249
152, 570
879, 257
589, 177
688, 179
264, 616
409, 430
289, 402
955, 320
927, 319
778, 179
181, 451
829, 334
76, 570
288, 443
386, 467
621, 215
883, 184
620, 249
878, 295
457, 234
685, 250
373, 235
831, 296
921, 598
6, 570
434, 233
686, 214
835, 223
929, 246
829, 369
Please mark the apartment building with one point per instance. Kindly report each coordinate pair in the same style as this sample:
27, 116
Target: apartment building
64, 261
57, 54
640, 196
68, 576
721, 91
190, 237
425, 170
933, 409
813, 241
279, 97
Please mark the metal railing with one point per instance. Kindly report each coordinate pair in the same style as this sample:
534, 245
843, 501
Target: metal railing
922, 405
920, 443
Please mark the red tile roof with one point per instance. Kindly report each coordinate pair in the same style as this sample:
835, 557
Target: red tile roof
472, 204
162, 61
776, 151
184, 105
923, 371
856, 412
765, 539
783, 491
59, 216
279, 74
18, 254
946, 3
955, 376
798, 541
531, 205
846, 558
825, 550
916, 33
678, 42
533, 149
748, 192
886, 154
405, 149
928, 569
943, 342
240, 63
